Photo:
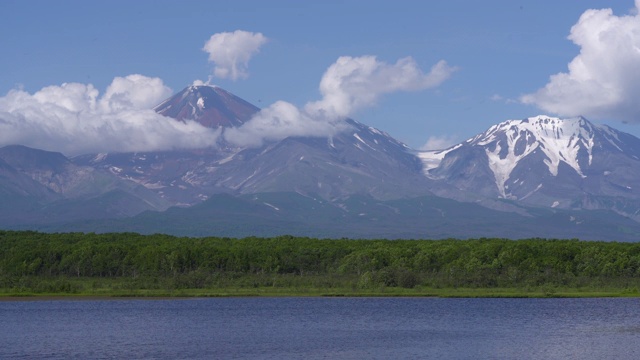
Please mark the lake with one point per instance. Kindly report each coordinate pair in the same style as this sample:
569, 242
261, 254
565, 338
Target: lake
321, 328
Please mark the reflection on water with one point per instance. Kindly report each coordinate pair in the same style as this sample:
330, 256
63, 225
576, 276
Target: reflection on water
322, 328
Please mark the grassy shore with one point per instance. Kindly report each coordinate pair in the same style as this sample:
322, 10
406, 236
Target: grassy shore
114, 293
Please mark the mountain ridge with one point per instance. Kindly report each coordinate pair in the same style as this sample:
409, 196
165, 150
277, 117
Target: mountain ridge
568, 175
544, 161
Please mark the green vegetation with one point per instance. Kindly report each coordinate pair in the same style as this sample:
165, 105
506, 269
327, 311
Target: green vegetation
129, 264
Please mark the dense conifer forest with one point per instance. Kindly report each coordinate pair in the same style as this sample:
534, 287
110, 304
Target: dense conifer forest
134, 264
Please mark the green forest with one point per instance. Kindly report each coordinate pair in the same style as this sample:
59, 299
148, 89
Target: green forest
130, 264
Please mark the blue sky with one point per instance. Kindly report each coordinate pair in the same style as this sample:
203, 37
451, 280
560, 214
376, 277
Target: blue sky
501, 50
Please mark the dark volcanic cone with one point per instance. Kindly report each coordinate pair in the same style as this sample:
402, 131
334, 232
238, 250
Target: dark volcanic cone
211, 106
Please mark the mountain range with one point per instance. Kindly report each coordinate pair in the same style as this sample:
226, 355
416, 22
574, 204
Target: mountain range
535, 177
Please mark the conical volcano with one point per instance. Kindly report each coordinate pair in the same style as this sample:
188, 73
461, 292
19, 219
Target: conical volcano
210, 106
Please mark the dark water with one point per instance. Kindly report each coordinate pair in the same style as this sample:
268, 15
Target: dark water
322, 328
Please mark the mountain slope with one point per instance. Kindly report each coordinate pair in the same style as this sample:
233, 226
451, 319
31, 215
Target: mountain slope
424, 217
360, 160
38, 186
545, 161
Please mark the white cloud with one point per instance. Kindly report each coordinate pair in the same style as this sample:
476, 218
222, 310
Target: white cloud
440, 142
603, 80
231, 51
350, 84
279, 121
134, 92
74, 119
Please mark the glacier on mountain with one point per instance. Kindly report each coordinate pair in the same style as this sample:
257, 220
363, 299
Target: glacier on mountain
560, 140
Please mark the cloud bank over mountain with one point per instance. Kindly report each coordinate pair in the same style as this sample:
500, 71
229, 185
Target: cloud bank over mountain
602, 81
74, 119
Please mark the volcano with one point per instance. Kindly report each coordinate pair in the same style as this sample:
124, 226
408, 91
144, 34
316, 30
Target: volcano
359, 160
211, 106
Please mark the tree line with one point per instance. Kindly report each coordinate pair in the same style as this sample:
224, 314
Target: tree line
361, 263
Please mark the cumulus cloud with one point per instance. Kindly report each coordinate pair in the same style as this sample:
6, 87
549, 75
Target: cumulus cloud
439, 142
603, 79
279, 121
230, 52
348, 85
134, 92
352, 83
74, 119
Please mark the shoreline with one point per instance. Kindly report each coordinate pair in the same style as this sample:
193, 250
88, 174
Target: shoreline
28, 298
284, 292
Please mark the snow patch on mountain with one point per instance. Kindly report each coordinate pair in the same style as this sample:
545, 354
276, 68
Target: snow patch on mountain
560, 140
99, 157
272, 206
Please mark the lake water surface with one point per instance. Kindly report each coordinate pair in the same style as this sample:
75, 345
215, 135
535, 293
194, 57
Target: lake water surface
321, 328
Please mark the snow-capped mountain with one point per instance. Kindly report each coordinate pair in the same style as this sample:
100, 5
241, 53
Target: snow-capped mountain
359, 160
546, 161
